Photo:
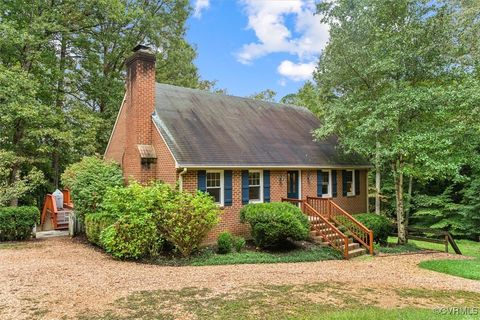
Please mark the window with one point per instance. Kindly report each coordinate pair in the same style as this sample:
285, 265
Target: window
255, 186
350, 180
215, 185
326, 184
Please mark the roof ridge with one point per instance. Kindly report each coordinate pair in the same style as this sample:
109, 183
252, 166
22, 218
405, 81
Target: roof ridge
205, 92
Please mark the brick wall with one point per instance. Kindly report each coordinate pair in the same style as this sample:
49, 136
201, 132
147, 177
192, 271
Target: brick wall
116, 146
230, 219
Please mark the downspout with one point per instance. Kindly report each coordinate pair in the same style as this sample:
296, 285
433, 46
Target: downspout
180, 178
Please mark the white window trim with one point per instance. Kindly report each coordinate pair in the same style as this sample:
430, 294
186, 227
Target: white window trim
351, 194
261, 187
329, 194
222, 186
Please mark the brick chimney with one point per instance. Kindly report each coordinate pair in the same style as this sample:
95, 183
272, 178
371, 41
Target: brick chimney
140, 103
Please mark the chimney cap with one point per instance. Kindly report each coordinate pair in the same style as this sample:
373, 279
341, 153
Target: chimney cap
141, 47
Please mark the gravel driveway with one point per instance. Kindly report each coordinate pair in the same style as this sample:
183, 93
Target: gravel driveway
59, 277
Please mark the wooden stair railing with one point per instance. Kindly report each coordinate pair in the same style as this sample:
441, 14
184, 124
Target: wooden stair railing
51, 206
335, 213
338, 241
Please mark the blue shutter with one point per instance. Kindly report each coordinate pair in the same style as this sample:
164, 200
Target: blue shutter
227, 187
334, 183
319, 183
245, 190
344, 182
202, 180
266, 185
357, 182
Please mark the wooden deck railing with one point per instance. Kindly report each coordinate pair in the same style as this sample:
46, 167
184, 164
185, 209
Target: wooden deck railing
335, 213
325, 229
51, 206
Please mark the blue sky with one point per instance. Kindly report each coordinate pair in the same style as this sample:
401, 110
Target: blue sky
252, 45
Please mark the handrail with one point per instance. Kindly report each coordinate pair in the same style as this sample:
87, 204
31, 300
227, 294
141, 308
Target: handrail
52, 207
333, 211
361, 233
325, 233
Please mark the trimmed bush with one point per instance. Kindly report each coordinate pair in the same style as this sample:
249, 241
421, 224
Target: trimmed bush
96, 223
225, 242
16, 223
88, 181
133, 236
380, 226
273, 223
184, 219
239, 243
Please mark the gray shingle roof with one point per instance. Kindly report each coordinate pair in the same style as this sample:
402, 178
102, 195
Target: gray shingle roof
203, 129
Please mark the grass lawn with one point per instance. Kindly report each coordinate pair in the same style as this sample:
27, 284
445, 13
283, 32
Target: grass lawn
469, 269
307, 301
210, 257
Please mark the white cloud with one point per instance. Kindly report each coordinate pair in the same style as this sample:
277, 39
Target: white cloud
305, 38
200, 5
296, 71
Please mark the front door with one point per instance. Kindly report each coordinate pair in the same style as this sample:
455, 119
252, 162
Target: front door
292, 185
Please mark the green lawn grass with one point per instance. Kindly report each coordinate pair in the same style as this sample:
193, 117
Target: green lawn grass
209, 257
307, 301
469, 269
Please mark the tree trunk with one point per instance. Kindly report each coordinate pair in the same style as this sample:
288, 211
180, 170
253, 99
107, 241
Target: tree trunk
400, 209
409, 200
377, 180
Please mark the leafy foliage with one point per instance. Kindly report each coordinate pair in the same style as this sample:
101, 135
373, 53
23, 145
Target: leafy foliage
133, 236
88, 181
265, 95
184, 219
96, 223
395, 89
225, 242
380, 226
239, 243
62, 78
273, 223
16, 223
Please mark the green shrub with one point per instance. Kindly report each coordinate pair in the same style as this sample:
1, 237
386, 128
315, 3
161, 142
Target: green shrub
88, 180
96, 223
133, 236
135, 198
239, 243
225, 242
380, 226
184, 219
16, 223
273, 223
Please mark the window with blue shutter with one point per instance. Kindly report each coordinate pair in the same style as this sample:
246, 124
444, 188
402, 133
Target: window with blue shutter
357, 182
202, 180
227, 181
245, 187
266, 185
319, 183
334, 183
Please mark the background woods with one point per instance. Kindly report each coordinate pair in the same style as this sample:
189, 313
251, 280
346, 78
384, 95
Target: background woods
62, 79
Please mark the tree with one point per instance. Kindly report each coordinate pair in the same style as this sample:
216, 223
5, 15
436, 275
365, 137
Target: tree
265, 95
391, 89
306, 96
73, 53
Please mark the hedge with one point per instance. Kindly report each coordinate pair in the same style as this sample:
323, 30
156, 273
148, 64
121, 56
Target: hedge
379, 224
95, 223
16, 223
273, 223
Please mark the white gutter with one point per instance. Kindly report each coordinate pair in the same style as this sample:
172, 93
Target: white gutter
180, 178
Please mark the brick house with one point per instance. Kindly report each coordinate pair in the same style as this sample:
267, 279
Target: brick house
237, 149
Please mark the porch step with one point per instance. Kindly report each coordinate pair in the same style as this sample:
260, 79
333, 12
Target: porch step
356, 252
62, 226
